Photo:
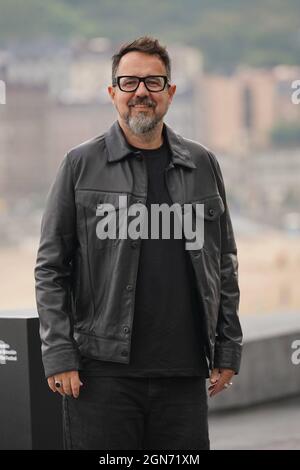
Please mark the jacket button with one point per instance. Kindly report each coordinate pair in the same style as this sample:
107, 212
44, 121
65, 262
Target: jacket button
124, 353
139, 201
139, 156
211, 212
134, 244
129, 287
126, 329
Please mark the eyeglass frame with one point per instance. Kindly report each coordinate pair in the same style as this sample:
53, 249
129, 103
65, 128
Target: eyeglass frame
116, 81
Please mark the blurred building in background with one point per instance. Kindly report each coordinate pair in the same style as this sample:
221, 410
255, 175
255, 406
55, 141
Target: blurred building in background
243, 111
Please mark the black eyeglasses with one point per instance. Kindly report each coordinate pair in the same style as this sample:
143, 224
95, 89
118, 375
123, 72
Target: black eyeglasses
153, 83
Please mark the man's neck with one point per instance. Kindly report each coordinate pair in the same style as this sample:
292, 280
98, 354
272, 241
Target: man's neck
151, 140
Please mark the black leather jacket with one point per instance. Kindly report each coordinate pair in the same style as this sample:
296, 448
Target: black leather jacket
85, 286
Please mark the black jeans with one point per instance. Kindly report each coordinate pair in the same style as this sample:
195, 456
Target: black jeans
112, 413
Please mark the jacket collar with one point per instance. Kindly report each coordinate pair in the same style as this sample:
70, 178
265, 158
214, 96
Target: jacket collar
118, 147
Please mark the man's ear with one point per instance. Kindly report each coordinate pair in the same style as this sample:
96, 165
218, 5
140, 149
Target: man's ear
171, 92
111, 91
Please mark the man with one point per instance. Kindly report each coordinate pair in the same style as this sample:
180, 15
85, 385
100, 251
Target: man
132, 327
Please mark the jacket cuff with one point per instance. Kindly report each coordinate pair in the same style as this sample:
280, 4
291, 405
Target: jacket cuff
62, 360
228, 357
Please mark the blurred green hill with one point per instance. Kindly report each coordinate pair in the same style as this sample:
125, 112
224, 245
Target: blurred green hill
256, 32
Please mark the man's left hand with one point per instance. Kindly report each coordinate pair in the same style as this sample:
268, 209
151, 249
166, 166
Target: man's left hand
220, 379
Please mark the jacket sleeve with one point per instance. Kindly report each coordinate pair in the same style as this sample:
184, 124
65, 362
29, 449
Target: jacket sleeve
53, 274
228, 344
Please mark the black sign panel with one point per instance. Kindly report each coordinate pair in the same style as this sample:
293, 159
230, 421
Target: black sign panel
30, 413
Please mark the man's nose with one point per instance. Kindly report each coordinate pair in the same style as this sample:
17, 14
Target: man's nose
141, 90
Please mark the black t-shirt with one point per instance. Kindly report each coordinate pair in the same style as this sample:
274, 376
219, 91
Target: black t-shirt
167, 333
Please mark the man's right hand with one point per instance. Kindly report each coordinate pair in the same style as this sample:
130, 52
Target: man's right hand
70, 383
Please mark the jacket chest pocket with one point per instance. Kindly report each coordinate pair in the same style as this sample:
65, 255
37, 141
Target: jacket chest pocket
207, 216
102, 216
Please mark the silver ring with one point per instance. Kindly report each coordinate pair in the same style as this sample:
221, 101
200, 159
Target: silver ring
227, 385
57, 384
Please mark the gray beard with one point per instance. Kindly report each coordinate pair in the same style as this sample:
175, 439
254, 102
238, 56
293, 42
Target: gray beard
142, 124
